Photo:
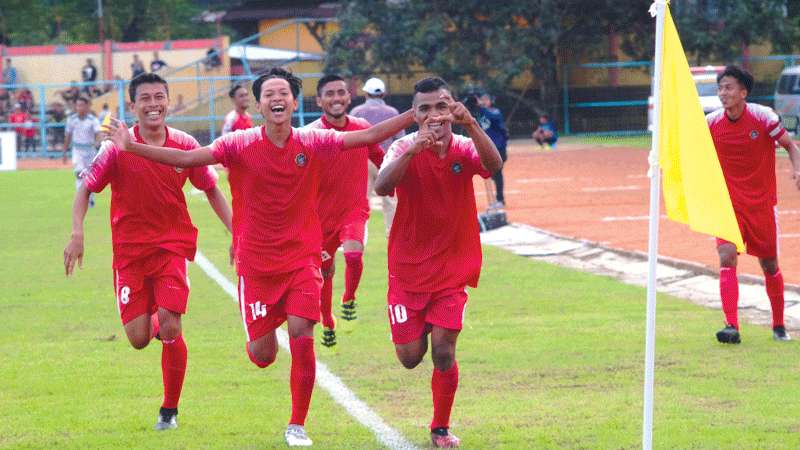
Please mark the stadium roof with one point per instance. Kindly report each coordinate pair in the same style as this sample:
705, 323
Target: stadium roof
281, 9
257, 53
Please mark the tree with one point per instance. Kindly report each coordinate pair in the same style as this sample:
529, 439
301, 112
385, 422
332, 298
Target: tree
476, 42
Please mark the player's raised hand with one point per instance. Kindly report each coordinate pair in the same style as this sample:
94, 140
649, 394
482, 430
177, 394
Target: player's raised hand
460, 113
118, 133
424, 139
73, 253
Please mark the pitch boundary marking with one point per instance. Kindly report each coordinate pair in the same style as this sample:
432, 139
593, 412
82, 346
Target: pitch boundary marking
332, 384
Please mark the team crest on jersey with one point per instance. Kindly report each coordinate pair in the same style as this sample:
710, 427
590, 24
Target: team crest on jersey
300, 160
754, 135
456, 167
178, 169
325, 256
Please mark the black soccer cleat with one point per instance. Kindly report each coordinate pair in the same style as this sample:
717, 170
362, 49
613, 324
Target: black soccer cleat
328, 337
729, 335
349, 310
779, 334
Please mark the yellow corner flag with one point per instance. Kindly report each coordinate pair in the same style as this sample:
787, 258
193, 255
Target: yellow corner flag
695, 192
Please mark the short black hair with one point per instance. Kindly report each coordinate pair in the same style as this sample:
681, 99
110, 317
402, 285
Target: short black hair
296, 84
82, 98
145, 78
744, 77
325, 80
234, 88
430, 84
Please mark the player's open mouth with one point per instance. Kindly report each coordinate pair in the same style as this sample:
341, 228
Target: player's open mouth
153, 114
434, 126
278, 109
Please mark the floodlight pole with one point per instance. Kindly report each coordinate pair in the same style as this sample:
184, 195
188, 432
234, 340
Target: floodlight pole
652, 245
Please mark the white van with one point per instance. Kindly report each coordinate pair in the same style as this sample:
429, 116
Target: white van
705, 78
787, 98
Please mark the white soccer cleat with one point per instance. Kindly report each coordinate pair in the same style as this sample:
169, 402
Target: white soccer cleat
296, 436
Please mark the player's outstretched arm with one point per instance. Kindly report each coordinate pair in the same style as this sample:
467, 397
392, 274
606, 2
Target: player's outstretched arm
379, 132
118, 134
221, 208
490, 157
73, 252
390, 176
788, 143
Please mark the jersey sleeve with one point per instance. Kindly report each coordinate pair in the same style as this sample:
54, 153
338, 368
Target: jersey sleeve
205, 177
324, 142
70, 126
772, 124
227, 126
396, 150
102, 169
376, 154
224, 148
467, 147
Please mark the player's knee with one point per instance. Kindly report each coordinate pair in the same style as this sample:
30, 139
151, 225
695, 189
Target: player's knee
443, 357
261, 357
139, 342
169, 331
409, 361
769, 266
727, 255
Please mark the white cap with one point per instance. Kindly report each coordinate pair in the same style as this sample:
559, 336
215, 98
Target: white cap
374, 86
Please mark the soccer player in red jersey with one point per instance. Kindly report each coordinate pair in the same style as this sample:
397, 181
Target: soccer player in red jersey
342, 202
238, 118
152, 234
274, 175
434, 244
744, 135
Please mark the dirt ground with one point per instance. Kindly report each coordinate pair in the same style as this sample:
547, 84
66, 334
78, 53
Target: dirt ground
601, 194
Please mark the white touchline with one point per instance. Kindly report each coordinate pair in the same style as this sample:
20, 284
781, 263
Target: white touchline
613, 188
341, 394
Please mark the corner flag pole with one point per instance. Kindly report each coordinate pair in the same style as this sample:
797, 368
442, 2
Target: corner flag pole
656, 10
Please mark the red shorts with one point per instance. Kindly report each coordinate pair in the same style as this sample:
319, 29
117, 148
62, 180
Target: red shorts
158, 280
760, 232
350, 230
411, 314
266, 300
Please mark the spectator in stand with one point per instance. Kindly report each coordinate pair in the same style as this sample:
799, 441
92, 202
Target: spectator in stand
137, 67
9, 74
179, 105
238, 118
58, 116
375, 110
25, 131
70, 95
89, 75
5, 101
103, 113
157, 63
546, 134
25, 98
212, 59
492, 122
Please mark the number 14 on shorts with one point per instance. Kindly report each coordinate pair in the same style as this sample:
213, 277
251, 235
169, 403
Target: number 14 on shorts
258, 310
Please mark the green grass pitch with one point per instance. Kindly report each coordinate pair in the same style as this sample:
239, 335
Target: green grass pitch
549, 357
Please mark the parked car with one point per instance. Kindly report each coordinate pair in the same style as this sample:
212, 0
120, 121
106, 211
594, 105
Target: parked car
787, 98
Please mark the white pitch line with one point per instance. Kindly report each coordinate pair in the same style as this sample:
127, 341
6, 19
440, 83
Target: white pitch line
628, 218
612, 188
790, 235
635, 177
789, 211
340, 393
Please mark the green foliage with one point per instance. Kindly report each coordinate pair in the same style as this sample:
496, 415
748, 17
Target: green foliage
38, 22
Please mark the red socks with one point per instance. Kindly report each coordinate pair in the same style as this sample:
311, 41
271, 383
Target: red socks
444, 386
327, 297
173, 370
729, 292
352, 274
303, 373
775, 293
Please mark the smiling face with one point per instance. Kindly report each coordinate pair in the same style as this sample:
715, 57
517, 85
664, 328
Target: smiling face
276, 103
431, 107
241, 99
150, 104
731, 92
334, 98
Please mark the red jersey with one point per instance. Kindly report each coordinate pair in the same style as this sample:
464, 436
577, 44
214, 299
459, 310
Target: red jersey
148, 206
746, 151
435, 243
274, 191
343, 182
235, 121
25, 119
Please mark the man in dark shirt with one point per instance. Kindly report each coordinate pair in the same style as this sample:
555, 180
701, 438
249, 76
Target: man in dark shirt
492, 122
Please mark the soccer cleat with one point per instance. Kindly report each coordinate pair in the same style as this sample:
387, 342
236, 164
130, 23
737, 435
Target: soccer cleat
779, 334
349, 310
328, 337
728, 335
442, 438
167, 419
296, 436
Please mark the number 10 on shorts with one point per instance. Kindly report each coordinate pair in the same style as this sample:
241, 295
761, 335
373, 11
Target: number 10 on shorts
397, 314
